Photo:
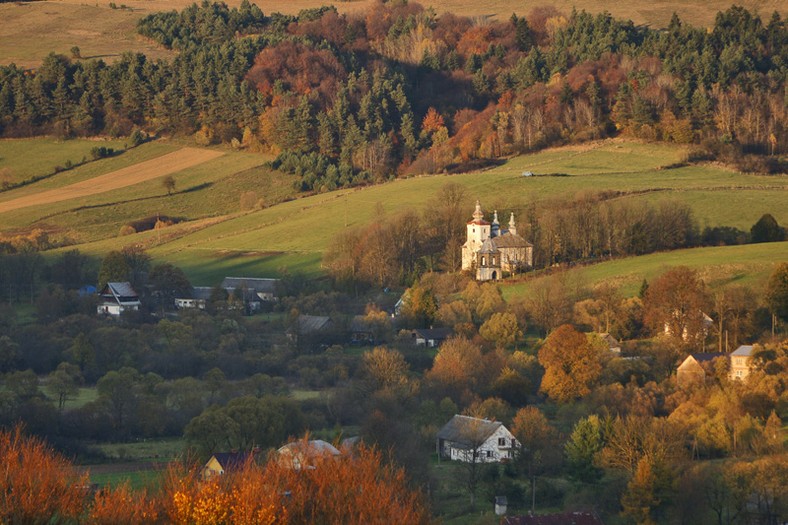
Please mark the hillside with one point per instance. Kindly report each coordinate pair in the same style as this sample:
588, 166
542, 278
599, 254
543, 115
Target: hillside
31, 30
295, 234
750, 265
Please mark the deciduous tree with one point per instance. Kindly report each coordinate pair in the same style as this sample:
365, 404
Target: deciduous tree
571, 364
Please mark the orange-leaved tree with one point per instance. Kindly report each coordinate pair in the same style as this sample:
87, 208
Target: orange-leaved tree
571, 364
36, 484
352, 488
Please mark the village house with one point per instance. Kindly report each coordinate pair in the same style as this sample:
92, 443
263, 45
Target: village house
430, 337
696, 368
613, 345
117, 298
200, 295
253, 291
300, 454
471, 439
488, 251
706, 324
361, 331
741, 362
225, 462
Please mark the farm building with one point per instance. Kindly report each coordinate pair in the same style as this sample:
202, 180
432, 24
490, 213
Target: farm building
696, 368
199, 298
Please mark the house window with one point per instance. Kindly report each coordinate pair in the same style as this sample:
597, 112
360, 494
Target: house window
483, 260
501, 442
489, 453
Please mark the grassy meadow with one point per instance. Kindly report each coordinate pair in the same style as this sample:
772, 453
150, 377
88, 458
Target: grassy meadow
25, 159
749, 265
293, 234
31, 30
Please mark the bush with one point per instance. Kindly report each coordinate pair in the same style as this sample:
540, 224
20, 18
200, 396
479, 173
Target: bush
126, 229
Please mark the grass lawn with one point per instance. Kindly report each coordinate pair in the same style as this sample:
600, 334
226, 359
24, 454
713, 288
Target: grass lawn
148, 450
149, 479
85, 396
749, 264
23, 159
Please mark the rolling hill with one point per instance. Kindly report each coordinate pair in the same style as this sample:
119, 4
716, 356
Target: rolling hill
216, 238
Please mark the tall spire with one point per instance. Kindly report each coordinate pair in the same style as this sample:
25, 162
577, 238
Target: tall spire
496, 226
478, 215
512, 228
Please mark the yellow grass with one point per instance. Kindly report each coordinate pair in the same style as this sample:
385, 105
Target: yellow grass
30, 31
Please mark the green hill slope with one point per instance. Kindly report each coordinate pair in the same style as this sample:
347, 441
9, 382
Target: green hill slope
294, 234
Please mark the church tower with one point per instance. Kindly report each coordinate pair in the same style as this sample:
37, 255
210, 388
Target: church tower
477, 231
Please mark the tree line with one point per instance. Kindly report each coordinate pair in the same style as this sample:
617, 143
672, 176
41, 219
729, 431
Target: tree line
349, 99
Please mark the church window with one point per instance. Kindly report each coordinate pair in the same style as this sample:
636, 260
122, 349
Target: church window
483, 260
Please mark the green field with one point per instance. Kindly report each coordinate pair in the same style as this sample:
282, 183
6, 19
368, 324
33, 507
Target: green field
24, 159
218, 240
749, 264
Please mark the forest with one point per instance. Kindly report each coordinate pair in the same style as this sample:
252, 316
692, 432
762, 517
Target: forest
353, 99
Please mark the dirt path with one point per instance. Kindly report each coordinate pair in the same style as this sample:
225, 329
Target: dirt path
141, 172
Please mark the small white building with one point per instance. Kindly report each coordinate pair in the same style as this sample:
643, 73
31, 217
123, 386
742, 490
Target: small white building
471, 439
199, 298
117, 298
740, 362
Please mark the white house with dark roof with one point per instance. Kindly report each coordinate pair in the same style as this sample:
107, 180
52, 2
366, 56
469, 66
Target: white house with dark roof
254, 289
199, 298
741, 362
472, 439
117, 298
488, 251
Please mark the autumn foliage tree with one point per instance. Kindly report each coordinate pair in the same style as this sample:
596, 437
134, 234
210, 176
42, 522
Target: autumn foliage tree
674, 304
571, 364
37, 485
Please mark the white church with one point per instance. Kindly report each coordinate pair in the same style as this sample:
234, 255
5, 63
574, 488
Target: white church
488, 251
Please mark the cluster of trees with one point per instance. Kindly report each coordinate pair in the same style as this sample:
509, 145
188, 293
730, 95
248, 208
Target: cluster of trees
40, 486
397, 89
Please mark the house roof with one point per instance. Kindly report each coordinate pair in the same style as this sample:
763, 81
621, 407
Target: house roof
609, 339
432, 333
466, 430
510, 240
202, 292
563, 518
313, 446
120, 289
488, 246
120, 293
312, 323
260, 285
702, 357
232, 460
743, 350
